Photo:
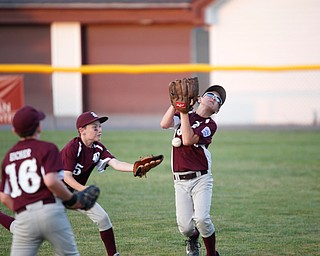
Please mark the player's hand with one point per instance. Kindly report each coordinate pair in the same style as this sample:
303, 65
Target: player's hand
84, 200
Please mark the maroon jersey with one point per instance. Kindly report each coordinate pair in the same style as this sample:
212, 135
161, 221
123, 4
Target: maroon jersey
23, 169
81, 160
195, 157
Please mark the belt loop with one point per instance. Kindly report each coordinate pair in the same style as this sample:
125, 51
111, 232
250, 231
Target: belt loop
176, 176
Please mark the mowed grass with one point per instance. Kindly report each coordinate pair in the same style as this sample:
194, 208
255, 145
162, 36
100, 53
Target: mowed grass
266, 198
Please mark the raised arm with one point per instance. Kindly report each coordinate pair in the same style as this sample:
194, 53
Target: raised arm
188, 136
167, 119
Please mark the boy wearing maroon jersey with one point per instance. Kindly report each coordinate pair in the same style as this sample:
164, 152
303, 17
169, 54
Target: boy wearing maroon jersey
191, 167
31, 186
80, 157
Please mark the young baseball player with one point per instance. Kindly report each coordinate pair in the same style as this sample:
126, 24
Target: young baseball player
31, 187
80, 156
191, 167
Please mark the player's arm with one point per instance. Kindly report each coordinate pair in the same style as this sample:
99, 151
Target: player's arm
56, 186
167, 119
76, 200
120, 166
188, 136
68, 178
6, 200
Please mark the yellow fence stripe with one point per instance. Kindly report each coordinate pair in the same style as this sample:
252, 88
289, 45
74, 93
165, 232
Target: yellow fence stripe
141, 69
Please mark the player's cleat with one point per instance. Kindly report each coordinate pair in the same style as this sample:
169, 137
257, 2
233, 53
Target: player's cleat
192, 246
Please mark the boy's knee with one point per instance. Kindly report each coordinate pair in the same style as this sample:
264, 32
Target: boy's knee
205, 227
104, 223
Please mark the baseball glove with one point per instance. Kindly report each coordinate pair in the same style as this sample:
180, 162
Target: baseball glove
84, 199
184, 93
144, 164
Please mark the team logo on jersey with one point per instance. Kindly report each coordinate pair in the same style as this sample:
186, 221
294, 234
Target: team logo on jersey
96, 157
206, 132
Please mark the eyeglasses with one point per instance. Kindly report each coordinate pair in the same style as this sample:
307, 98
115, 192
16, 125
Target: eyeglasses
214, 96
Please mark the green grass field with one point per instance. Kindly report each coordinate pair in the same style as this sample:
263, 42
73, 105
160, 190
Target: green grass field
266, 198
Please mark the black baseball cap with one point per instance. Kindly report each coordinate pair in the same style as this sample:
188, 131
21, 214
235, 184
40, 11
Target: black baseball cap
88, 118
219, 89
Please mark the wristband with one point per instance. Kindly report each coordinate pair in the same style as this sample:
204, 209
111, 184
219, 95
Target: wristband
72, 201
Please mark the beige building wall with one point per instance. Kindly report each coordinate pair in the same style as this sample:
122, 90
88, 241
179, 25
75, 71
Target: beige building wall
266, 33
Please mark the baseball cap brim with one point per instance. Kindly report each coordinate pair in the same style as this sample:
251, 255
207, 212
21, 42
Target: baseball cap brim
219, 89
100, 119
88, 118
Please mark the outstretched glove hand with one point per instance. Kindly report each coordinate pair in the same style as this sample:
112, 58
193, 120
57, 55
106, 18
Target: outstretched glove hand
145, 164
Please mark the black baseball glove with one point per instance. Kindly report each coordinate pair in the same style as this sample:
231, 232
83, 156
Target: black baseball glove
84, 199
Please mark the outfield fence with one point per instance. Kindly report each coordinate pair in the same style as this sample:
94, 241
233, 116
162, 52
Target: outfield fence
150, 68
257, 94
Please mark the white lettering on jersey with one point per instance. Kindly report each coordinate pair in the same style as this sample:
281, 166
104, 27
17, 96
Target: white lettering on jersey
77, 169
28, 178
196, 124
206, 132
22, 154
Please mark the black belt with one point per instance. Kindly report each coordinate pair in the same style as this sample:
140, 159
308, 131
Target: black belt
189, 176
51, 200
